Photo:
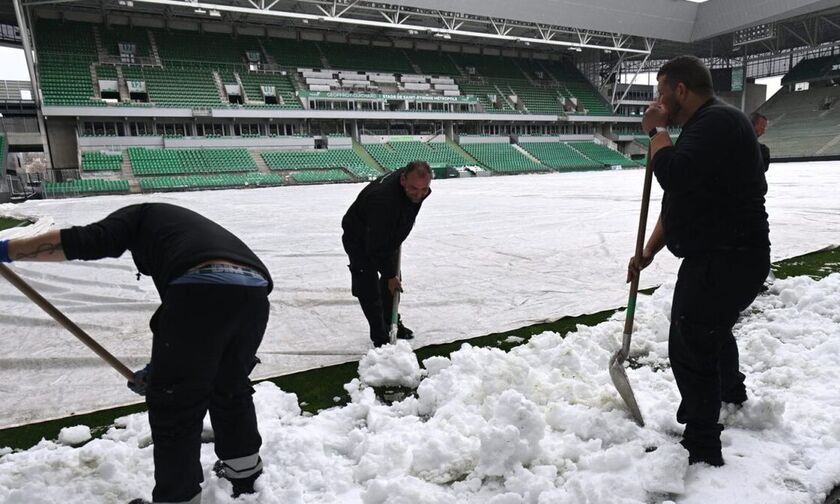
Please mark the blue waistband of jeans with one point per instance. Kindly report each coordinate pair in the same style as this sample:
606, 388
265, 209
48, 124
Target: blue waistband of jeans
227, 268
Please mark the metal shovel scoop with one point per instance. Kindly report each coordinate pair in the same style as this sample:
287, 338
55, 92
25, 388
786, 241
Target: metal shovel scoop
617, 372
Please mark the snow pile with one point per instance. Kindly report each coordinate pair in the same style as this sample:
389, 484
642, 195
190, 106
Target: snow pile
390, 365
74, 436
541, 424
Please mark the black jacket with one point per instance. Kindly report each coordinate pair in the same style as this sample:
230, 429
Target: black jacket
164, 240
377, 223
765, 155
714, 184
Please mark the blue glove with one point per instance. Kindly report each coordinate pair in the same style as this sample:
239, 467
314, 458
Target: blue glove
4, 252
141, 380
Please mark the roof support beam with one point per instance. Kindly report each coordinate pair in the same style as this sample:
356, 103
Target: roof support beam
452, 24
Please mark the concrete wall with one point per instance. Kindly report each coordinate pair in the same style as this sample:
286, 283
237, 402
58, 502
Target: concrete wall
61, 137
756, 96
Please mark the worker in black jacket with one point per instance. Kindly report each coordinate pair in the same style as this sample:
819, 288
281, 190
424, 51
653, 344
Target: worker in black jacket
713, 217
760, 123
206, 333
375, 226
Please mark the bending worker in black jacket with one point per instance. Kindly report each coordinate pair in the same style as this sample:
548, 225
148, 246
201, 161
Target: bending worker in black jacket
713, 217
206, 333
374, 227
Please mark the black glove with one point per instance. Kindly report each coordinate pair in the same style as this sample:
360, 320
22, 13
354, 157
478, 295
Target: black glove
141, 380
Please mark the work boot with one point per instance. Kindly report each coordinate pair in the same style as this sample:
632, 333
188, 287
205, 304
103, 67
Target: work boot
404, 332
714, 459
240, 485
703, 445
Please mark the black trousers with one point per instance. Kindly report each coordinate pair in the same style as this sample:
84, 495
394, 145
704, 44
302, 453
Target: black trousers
205, 343
375, 299
712, 289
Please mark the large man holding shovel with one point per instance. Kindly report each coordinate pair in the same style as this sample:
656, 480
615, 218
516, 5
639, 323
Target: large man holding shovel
206, 333
374, 227
713, 217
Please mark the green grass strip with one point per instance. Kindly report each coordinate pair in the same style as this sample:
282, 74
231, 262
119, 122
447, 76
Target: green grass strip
10, 222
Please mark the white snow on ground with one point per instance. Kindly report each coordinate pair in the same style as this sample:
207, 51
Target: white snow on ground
541, 424
486, 255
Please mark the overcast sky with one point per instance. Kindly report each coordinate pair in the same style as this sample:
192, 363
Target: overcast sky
12, 64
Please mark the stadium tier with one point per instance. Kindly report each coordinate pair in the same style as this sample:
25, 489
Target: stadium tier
394, 155
97, 161
602, 154
433, 62
803, 123
321, 159
176, 68
112, 36
813, 69
294, 54
210, 181
502, 158
367, 58
254, 82
81, 187
186, 161
560, 156
320, 176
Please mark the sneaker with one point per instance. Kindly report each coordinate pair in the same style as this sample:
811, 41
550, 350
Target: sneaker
139, 501
404, 332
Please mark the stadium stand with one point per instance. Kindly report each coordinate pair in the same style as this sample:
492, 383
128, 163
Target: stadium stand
803, 124
220, 181
433, 62
320, 176
112, 36
293, 53
189, 161
814, 69
98, 161
81, 187
560, 156
366, 58
283, 87
602, 154
394, 155
321, 159
502, 158
203, 63
178, 86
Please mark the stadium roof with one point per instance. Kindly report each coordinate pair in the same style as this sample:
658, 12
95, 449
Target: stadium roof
665, 27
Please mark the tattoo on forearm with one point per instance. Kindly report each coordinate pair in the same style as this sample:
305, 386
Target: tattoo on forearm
43, 249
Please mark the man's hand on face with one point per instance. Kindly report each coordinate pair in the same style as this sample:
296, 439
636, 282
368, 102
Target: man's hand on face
655, 116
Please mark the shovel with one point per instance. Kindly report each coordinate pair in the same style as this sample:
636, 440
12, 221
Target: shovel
617, 372
68, 324
395, 312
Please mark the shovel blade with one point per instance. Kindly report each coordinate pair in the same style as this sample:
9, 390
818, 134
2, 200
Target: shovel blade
622, 384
